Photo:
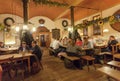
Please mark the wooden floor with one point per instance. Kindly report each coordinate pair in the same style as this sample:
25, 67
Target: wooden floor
54, 70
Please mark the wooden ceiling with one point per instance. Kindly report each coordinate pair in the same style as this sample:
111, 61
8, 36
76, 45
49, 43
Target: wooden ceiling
16, 7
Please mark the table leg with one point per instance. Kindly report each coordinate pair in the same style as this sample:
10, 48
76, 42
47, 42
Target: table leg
94, 64
29, 64
88, 65
105, 59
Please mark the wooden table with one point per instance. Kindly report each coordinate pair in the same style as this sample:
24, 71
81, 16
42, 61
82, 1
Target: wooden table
115, 74
16, 57
115, 64
8, 50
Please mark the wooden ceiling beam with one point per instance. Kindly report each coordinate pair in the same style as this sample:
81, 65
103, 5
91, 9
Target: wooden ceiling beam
75, 3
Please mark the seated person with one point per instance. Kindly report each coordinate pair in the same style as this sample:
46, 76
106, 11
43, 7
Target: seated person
87, 45
111, 41
23, 47
72, 49
56, 46
2, 45
36, 50
78, 42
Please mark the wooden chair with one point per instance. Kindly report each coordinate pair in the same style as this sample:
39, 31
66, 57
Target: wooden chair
13, 68
1, 73
115, 53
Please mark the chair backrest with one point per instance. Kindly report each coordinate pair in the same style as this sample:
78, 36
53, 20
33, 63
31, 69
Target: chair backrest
1, 73
115, 48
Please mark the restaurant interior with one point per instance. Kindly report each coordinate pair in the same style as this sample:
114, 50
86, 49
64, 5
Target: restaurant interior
65, 40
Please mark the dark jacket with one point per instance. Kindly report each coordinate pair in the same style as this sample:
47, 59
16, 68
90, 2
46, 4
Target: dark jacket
113, 42
21, 48
37, 51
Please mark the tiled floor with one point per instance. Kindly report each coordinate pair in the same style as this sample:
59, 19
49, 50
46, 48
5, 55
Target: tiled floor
54, 70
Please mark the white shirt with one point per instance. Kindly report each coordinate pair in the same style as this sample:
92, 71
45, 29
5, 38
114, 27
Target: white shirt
55, 44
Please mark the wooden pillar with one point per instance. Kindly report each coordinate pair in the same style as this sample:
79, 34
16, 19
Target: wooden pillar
25, 11
74, 34
72, 15
72, 22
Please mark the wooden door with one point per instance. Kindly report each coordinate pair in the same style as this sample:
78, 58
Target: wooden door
44, 39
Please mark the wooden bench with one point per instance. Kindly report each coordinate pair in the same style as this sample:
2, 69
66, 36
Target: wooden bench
115, 74
88, 59
115, 64
71, 58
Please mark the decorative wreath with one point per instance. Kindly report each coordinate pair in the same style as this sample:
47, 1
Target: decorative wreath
6, 23
64, 23
41, 21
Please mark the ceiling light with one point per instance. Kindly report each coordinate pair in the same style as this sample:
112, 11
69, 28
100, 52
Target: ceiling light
33, 29
17, 29
106, 30
25, 27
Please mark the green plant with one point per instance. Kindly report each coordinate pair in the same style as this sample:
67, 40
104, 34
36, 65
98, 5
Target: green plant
1, 27
111, 19
49, 2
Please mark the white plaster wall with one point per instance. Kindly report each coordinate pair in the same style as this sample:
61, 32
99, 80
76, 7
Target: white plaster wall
49, 24
105, 13
12, 34
58, 24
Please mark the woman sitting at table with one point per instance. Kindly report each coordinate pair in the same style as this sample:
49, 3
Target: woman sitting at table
23, 48
78, 42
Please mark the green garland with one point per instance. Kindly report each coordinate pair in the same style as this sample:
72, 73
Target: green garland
2, 27
51, 3
100, 22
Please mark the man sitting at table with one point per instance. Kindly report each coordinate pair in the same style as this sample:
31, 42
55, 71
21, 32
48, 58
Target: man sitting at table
111, 41
2, 45
74, 50
23, 48
36, 50
55, 45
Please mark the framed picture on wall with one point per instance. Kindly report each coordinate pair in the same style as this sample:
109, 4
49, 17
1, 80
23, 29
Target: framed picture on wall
56, 33
97, 29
